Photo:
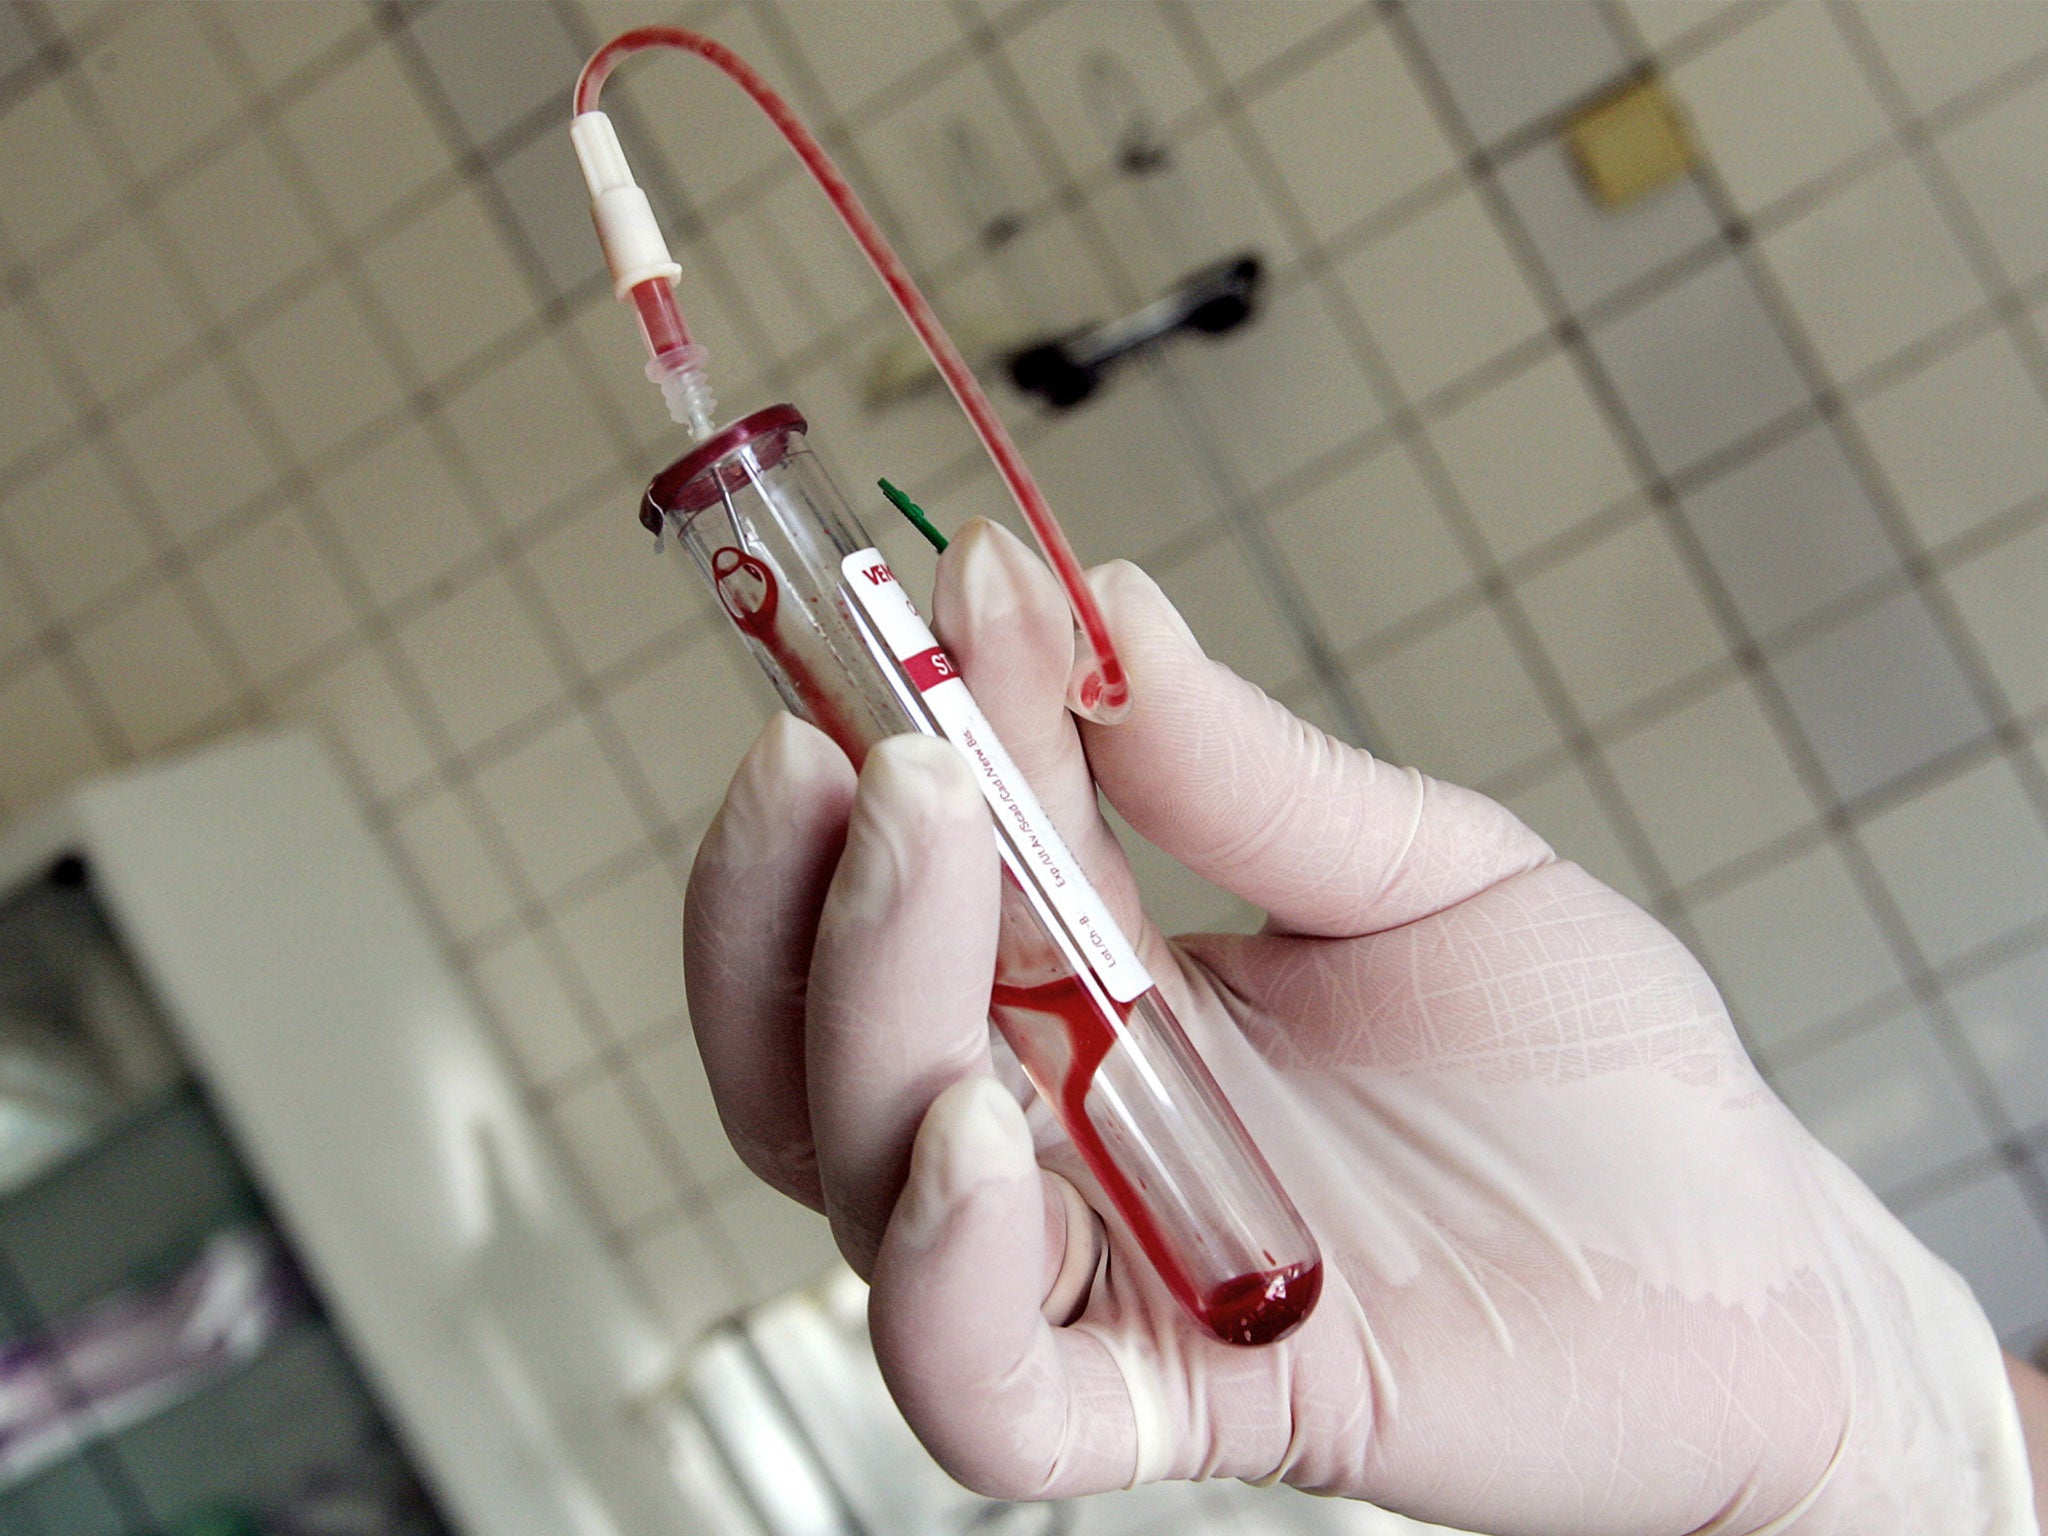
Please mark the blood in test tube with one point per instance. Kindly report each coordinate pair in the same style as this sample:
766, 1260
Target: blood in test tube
1253, 1308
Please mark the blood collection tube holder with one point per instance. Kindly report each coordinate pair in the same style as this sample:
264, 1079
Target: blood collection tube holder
823, 615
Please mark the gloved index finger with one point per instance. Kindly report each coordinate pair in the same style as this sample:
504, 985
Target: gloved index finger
1328, 839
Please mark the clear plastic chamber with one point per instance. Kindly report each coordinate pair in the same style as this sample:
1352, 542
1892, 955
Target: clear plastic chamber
785, 555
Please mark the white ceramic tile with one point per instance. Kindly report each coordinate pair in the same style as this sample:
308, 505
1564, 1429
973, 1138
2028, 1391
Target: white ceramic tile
2004, 1015
692, 1285
358, 707
280, 40
1699, 366
445, 849
780, 1243
1281, 391
1054, 55
1369, 548
17, 44
399, 514
1778, 103
1795, 947
1221, 205
626, 941
543, 191
77, 536
52, 178
1507, 66
1622, 619
198, 451
49, 744
444, 320
1441, 295
1996, 159
1940, 51
1592, 251
669, 1068
688, 722
240, 228
1880, 695
1532, 457
1456, 703
161, 87
1710, 783
1873, 270
913, 442
803, 274
721, 320
1965, 862
905, 152
275, 593
497, 64
1562, 809
721, 140
560, 806
1886, 1102
868, 53
18, 621
1084, 465
1351, 133
620, 1165
320, 374
155, 671
116, 310
530, 433
1665, 22
525, 992
608, 587
483, 666
1232, 614
1989, 1232
1789, 530
1242, 38
365, 139
32, 404
1961, 440
2003, 595
79, 18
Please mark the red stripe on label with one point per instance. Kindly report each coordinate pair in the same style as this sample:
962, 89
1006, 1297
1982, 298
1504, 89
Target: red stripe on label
930, 668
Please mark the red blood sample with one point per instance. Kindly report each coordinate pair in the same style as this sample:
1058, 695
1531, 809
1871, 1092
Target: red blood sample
1254, 1308
749, 592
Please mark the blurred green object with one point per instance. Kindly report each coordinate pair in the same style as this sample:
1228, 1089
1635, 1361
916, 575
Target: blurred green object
217, 1521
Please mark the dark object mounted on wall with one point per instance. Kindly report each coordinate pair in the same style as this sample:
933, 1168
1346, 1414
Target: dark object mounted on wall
1212, 301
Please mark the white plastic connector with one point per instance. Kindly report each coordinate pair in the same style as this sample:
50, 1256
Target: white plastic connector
634, 248
685, 388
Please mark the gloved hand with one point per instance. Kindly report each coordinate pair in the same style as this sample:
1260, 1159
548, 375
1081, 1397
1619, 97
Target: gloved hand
1583, 1272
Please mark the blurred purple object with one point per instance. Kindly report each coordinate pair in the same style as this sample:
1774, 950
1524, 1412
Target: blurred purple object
136, 1353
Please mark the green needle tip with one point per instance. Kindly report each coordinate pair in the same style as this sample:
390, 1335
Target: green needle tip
915, 513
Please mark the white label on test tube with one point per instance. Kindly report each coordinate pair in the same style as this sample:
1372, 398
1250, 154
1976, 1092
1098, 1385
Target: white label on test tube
1057, 872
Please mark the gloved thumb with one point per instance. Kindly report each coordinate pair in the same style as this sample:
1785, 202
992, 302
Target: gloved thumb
1008, 1404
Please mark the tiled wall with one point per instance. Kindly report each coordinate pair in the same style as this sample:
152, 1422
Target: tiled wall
1711, 534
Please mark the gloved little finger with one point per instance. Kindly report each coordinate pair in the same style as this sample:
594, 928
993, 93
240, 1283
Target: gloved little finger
1008, 1404
749, 921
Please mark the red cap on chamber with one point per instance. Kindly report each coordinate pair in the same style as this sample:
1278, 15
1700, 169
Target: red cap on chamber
703, 475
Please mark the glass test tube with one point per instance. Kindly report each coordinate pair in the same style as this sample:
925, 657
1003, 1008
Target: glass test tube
824, 616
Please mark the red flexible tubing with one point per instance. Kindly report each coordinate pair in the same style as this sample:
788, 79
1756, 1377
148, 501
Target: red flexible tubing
1105, 694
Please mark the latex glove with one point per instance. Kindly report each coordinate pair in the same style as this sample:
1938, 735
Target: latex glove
1584, 1272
